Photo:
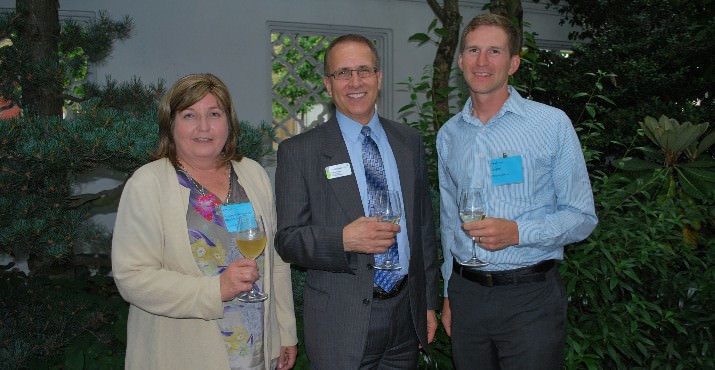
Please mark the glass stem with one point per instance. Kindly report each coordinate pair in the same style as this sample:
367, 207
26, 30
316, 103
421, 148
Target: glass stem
474, 249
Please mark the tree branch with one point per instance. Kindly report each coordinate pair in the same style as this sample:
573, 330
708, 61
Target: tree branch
437, 9
444, 57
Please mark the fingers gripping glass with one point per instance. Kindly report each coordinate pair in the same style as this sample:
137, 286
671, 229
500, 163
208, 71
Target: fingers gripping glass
347, 73
388, 208
471, 208
251, 240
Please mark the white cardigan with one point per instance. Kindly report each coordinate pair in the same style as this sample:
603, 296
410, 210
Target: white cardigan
173, 306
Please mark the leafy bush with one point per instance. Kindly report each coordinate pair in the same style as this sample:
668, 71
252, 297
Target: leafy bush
640, 296
68, 323
680, 158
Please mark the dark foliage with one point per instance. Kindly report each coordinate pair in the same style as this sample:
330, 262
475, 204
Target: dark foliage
61, 323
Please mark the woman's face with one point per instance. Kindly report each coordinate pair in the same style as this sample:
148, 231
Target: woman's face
200, 131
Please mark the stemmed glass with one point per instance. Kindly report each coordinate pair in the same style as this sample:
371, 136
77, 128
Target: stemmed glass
471, 208
387, 208
251, 241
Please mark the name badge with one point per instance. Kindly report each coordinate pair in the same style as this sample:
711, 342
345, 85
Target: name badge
508, 170
231, 212
338, 170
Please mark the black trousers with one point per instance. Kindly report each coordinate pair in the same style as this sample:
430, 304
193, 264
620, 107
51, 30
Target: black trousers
391, 339
508, 326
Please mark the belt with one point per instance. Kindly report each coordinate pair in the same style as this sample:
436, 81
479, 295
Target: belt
379, 293
522, 275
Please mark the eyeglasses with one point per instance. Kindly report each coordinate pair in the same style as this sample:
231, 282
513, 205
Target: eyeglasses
347, 73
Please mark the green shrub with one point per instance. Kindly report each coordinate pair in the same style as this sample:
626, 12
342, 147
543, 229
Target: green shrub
62, 323
640, 296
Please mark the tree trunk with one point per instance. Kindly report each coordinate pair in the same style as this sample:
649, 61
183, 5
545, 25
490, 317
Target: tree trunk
42, 88
444, 58
511, 9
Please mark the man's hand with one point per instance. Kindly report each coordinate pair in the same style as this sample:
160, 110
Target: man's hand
431, 325
493, 233
447, 316
367, 235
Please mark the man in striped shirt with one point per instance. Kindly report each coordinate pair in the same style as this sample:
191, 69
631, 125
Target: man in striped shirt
525, 157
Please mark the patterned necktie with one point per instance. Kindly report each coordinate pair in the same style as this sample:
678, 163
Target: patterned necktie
376, 181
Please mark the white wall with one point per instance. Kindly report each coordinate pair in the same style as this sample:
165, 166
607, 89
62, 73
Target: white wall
230, 38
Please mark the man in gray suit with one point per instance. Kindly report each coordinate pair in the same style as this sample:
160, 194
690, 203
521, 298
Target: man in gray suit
323, 183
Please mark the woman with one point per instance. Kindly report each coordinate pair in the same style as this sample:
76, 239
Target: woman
174, 259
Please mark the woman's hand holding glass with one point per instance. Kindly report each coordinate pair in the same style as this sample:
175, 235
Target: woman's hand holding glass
238, 277
238, 280
251, 241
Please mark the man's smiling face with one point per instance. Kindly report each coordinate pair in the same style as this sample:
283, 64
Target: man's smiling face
357, 96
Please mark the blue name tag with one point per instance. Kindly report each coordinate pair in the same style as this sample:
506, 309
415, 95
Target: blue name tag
507, 170
231, 212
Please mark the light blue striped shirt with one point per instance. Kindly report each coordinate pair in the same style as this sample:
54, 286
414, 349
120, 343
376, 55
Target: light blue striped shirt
353, 141
553, 205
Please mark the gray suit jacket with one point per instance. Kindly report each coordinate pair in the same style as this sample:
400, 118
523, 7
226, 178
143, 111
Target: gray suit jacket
312, 211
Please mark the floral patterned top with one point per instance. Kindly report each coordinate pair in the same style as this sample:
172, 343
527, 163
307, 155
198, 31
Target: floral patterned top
214, 247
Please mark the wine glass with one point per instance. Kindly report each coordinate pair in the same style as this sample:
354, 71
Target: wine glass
471, 208
251, 241
387, 208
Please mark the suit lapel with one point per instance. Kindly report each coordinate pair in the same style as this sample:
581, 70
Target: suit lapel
345, 188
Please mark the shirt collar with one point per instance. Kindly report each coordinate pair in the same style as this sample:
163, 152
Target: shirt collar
513, 104
351, 129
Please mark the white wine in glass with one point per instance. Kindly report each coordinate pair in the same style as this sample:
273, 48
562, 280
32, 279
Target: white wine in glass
251, 241
388, 208
468, 216
251, 248
471, 208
